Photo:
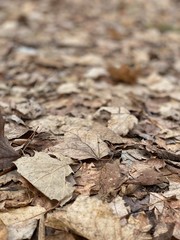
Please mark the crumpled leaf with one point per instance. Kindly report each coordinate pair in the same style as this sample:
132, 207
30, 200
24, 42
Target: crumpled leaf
95, 220
7, 153
158, 83
95, 73
48, 174
124, 74
86, 178
122, 122
68, 88
110, 180
29, 109
89, 217
21, 222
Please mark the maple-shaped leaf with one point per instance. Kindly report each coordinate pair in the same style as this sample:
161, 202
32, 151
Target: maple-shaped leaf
7, 153
48, 174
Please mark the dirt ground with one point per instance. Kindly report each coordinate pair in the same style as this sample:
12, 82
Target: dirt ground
90, 119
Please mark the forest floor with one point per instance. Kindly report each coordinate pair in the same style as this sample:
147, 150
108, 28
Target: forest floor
90, 120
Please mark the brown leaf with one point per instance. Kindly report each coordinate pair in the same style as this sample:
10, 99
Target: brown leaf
7, 153
110, 180
87, 177
123, 74
3, 230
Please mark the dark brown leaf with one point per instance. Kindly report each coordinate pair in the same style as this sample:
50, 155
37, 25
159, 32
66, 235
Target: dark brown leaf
7, 153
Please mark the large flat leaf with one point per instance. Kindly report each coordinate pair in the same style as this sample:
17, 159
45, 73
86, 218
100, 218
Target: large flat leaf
82, 144
48, 174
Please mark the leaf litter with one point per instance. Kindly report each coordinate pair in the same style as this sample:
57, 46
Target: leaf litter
90, 146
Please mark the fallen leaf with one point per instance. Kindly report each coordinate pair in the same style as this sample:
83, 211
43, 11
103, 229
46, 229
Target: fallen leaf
123, 74
48, 174
3, 231
144, 174
63, 235
86, 178
89, 217
68, 88
28, 109
95, 73
118, 205
21, 222
110, 180
14, 197
122, 122
158, 83
81, 144
137, 227
7, 153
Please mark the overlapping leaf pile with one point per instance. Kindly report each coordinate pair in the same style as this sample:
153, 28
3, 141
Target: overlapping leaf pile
90, 95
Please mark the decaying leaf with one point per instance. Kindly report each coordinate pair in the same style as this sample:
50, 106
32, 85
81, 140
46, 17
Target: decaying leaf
110, 180
122, 122
3, 231
95, 220
63, 94
48, 174
21, 222
88, 217
124, 74
137, 227
86, 178
28, 109
7, 153
95, 73
62, 235
14, 198
146, 174
81, 144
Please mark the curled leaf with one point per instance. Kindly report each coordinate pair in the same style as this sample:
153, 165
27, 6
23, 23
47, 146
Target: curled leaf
7, 153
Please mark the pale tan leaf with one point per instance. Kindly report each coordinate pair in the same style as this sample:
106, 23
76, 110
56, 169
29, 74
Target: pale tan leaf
89, 217
21, 222
48, 174
122, 122
67, 88
137, 227
82, 144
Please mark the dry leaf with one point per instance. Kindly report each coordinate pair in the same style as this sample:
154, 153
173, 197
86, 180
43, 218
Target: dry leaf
3, 231
48, 174
95, 73
68, 88
137, 227
86, 178
119, 207
7, 153
81, 144
110, 180
88, 217
13, 197
63, 235
122, 122
124, 74
21, 222
29, 109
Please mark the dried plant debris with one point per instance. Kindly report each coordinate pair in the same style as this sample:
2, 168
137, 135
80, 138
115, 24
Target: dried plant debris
124, 74
7, 153
48, 174
90, 120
